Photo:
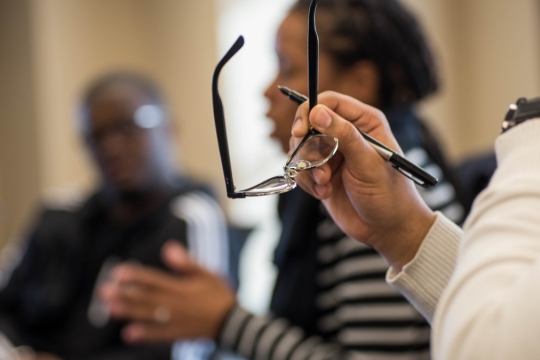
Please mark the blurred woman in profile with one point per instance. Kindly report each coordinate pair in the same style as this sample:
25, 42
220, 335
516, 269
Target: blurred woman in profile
376, 52
331, 300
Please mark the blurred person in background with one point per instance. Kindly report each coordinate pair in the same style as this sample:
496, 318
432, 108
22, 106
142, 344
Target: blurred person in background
48, 300
330, 300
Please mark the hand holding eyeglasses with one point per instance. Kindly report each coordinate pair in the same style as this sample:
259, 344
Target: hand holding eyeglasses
369, 200
315, 149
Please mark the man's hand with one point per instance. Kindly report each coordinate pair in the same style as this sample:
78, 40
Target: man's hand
370, 201
166, 307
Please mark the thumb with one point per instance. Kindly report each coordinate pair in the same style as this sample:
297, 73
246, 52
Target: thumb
176, 257
351, 143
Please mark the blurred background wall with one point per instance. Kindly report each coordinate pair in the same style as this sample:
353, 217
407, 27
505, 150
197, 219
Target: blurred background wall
488, 52
489, 55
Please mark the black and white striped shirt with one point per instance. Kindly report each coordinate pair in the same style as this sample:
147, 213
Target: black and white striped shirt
359, 316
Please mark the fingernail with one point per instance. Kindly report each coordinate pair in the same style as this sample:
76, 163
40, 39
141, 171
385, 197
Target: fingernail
322, 118
176, 252
131, 333
105, 292
117, 272
297, 126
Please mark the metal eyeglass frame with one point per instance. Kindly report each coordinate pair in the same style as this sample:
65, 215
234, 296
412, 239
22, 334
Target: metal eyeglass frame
277, 184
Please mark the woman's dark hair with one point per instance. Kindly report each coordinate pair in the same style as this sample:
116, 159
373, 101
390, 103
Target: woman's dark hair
384, 32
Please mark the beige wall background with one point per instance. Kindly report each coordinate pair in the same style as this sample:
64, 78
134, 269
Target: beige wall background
19, 164
489, 55
488, 51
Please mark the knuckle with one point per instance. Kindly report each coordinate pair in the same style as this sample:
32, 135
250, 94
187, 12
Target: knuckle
329, 98
302, 110
378, 113
348, 135
379, 117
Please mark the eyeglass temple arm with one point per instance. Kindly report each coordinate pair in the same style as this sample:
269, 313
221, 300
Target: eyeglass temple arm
313, 56
219, 119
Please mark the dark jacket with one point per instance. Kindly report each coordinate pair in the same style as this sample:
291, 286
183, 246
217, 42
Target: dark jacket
45, 302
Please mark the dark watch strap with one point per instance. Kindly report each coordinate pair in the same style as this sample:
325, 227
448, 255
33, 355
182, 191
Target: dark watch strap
521, 111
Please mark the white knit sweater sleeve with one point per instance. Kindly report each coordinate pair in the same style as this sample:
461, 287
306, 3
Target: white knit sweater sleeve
423, 280
490, 309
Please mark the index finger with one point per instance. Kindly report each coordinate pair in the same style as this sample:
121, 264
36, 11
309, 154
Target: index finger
143, 276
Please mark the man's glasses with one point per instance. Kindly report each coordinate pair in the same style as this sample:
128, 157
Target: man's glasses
144, 118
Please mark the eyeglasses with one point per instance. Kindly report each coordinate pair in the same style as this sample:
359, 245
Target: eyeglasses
144, 118
313, 151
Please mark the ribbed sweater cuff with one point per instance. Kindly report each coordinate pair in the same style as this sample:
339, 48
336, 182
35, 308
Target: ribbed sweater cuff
423, 280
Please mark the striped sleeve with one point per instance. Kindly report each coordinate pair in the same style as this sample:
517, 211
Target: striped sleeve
208, 244
267, 338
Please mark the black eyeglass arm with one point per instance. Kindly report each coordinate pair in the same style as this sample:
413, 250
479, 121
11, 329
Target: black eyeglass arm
219, 119
313, 56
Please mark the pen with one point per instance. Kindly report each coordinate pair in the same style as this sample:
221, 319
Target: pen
404, 166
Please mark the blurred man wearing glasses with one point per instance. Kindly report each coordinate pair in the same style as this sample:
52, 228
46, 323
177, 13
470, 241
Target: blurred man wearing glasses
49, 301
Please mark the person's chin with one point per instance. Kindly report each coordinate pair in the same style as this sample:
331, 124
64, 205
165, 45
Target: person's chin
124, 186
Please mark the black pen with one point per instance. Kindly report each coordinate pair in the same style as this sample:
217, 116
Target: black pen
404, 166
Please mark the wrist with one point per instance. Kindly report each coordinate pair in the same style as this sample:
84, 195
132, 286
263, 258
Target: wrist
223, 317
402, 242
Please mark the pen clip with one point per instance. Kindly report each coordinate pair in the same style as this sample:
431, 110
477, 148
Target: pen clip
416, 180
420, 177
405, 167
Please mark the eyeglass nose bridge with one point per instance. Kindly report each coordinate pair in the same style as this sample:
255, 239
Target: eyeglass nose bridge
290, 173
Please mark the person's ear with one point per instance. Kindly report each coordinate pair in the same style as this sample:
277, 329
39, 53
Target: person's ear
362, 81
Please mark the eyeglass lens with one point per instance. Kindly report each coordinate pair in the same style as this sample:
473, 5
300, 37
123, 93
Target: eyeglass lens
313, 152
